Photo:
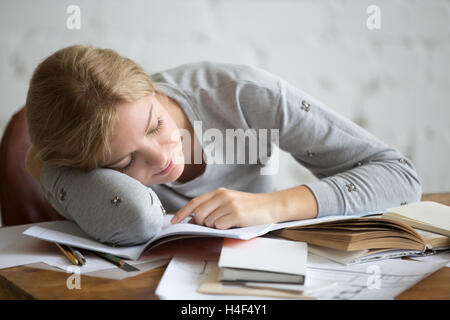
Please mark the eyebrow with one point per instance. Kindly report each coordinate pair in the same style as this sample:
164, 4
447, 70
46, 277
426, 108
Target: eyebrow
147, 128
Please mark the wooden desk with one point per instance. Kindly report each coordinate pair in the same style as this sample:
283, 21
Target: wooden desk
30, 283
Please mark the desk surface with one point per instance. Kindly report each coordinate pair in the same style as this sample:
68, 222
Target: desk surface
30, 283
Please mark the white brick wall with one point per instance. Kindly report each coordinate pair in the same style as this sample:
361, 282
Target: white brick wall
394, 82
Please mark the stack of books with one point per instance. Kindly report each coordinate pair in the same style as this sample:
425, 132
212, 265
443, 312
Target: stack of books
263, 260
263, 266
416, 229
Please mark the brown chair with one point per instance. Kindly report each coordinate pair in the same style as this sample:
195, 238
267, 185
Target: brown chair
21, 198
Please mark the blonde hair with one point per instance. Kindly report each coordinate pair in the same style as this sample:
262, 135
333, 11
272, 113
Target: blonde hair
71, 103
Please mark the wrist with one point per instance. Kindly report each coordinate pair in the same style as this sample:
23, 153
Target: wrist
296, 203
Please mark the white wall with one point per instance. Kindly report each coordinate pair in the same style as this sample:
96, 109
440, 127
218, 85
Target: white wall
394, 81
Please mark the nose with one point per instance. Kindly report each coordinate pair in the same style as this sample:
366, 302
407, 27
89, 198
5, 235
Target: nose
155, 156
158, 156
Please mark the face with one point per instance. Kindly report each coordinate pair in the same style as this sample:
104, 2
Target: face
146, 141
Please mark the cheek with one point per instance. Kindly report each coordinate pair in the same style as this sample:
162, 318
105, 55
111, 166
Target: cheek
173, 139
178, 157
172, 131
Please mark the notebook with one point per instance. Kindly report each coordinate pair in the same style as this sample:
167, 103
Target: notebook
263, 260
69, 233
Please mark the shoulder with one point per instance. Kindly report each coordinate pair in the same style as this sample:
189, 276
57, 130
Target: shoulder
209, 74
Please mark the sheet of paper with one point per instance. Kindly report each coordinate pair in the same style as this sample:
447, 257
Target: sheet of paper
187, 270
384, 279
381, 280
17, 249
184, 275
96, 264
108, 273
311, 287
443, 256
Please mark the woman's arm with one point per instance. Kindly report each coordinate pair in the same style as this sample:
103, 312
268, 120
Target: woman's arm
357, 172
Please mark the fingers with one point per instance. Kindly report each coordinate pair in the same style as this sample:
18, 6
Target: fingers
210, 220
227, 221
188, 209
224, 208
206, 208
203, 211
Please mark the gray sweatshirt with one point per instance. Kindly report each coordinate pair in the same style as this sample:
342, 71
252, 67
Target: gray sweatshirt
356, 171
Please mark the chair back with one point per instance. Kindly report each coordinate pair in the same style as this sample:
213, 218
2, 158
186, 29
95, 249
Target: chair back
21, 198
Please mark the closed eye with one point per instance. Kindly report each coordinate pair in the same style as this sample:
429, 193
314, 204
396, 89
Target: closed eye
151, 132
158, 127
128, 165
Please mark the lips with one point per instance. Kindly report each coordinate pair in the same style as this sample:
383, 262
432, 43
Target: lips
167, 169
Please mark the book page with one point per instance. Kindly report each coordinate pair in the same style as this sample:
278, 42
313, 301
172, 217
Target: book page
427, 212
69, 233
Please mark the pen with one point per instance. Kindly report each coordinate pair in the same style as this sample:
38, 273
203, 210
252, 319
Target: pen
117, 261
67, 254
81, 259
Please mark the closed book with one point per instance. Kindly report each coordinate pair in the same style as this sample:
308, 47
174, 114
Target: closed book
263, 260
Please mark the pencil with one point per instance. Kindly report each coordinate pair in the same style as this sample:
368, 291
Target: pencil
81, 259
67, 254
117, 261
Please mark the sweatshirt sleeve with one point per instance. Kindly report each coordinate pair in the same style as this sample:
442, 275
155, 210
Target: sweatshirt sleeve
108, 205
357, 173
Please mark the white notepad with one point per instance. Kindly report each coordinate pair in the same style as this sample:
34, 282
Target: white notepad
263, 259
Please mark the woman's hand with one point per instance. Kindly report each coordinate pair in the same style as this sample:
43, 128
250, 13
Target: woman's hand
224, 208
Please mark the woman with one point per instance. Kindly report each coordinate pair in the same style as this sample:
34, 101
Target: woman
90, 108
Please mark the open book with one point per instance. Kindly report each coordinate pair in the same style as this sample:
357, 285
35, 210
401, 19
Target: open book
347, 233
425, 215
367, 236
365, 233
69, 233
